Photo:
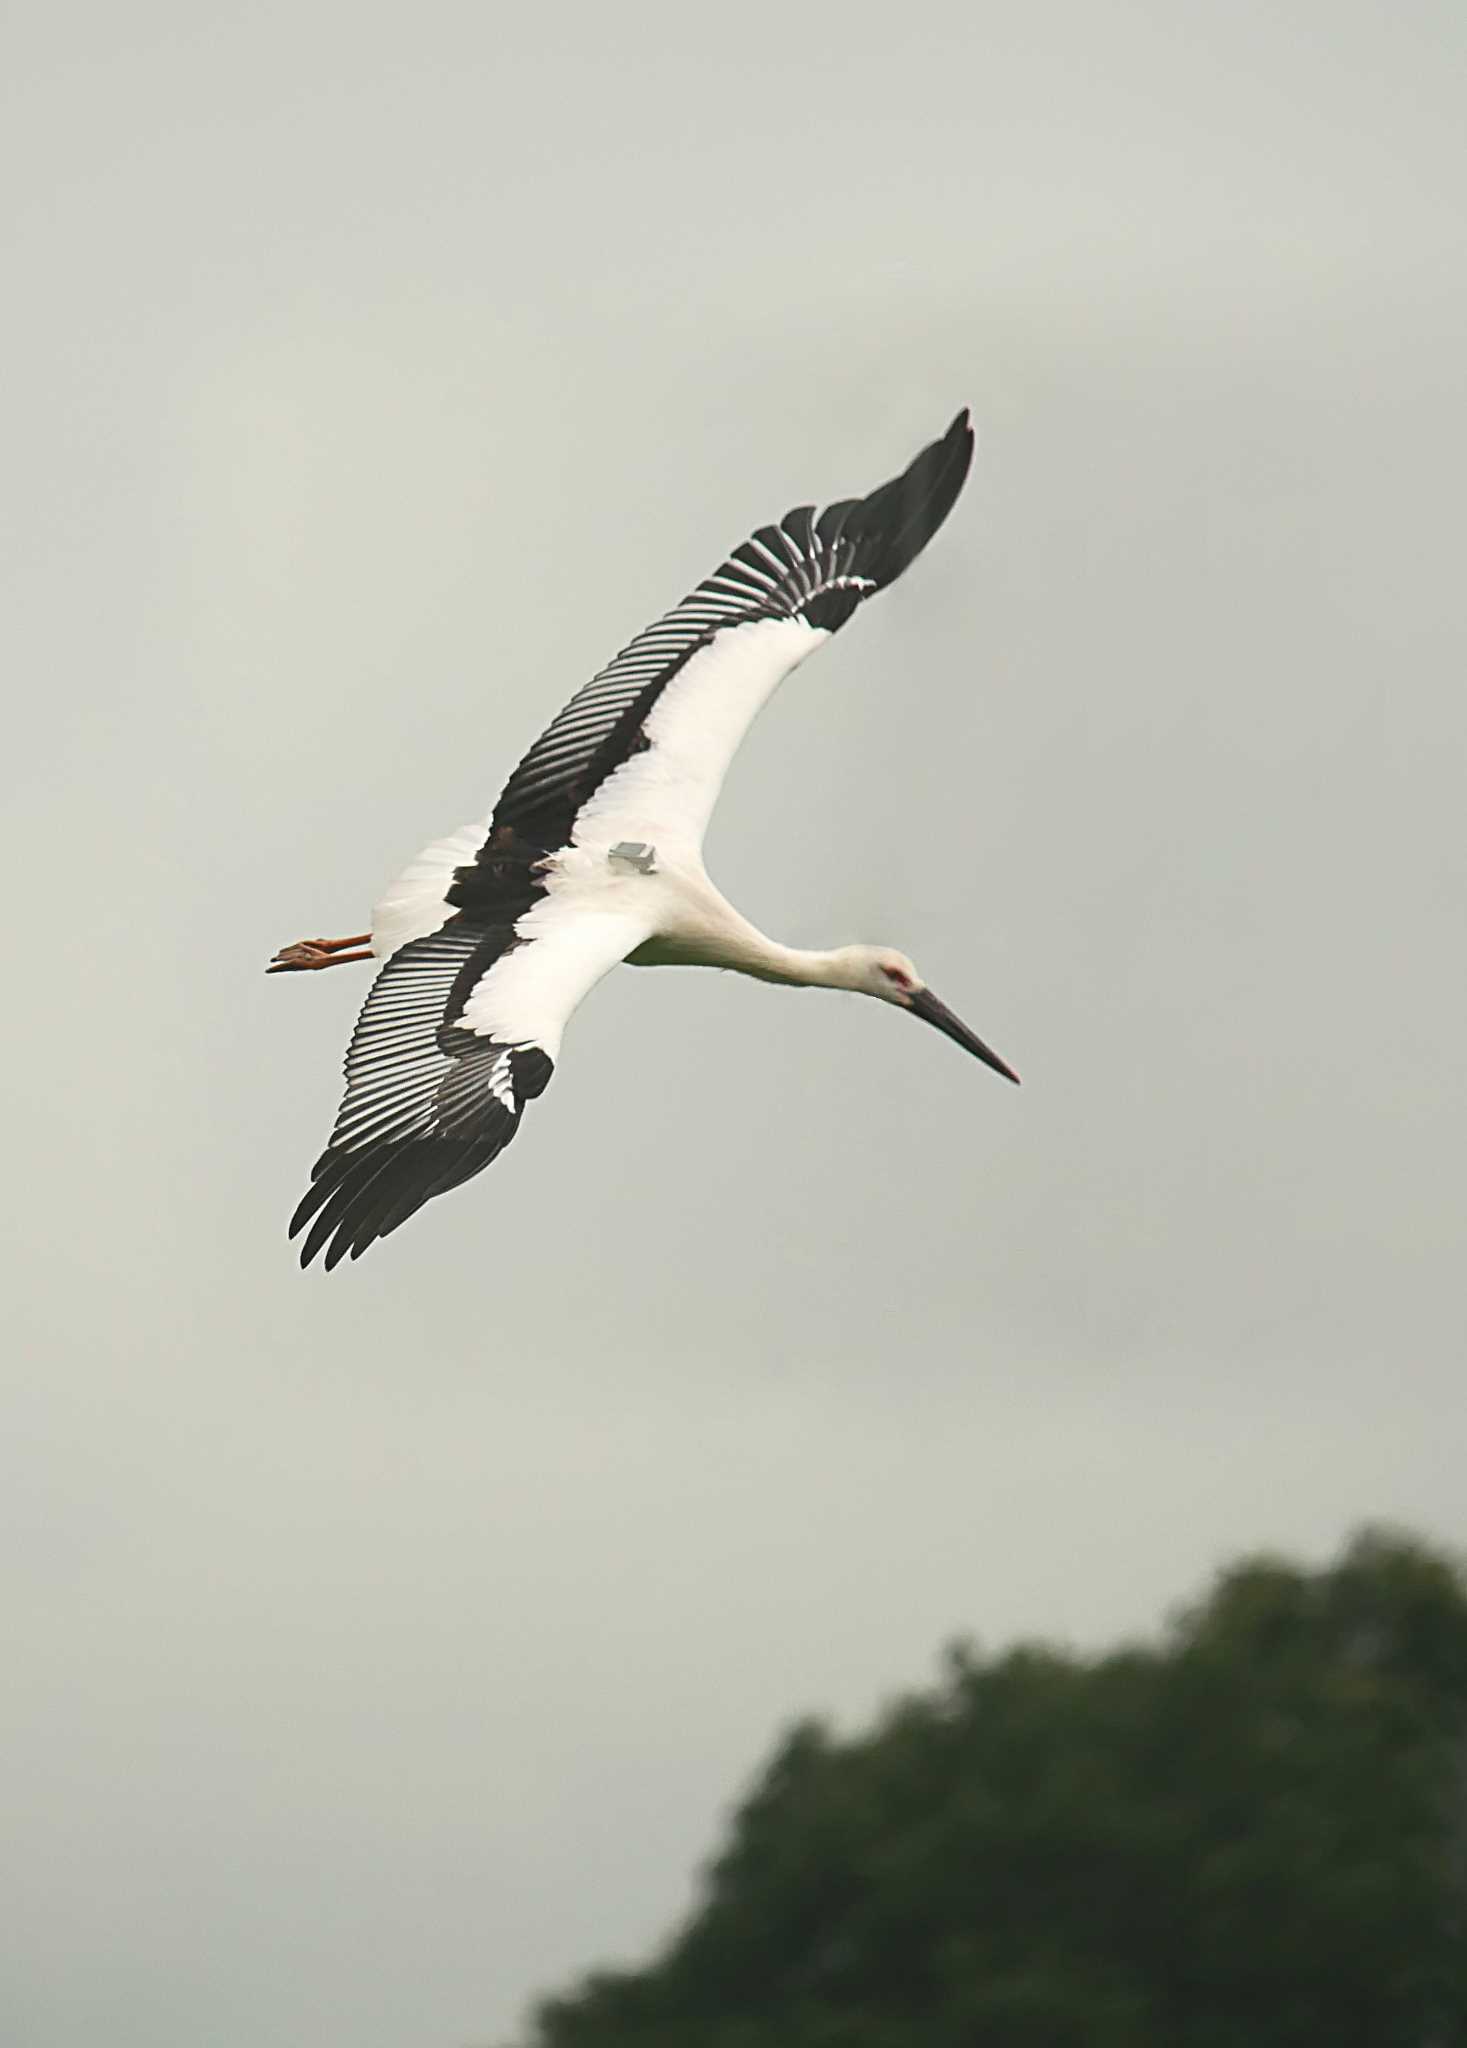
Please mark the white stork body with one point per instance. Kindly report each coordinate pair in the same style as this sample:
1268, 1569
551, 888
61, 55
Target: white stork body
593, 856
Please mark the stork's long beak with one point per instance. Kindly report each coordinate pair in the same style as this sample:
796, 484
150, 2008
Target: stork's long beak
924, 1004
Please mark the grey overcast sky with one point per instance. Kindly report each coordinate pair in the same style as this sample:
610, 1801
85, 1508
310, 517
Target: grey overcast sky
383, 1648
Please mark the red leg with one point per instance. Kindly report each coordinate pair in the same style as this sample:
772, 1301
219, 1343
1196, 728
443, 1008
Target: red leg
308, 953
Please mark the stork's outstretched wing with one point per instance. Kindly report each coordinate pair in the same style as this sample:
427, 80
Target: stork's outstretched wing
642, 750
640, 753
460, 1031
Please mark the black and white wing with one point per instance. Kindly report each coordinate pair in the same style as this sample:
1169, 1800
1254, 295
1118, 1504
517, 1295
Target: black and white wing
642, 750
460, 1032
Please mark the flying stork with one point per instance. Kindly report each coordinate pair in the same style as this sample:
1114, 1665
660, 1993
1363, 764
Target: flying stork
593, 855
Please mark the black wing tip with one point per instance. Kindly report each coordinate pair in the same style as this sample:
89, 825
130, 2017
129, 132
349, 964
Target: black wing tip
353, 1221
943, 465
349, 1226
359, 1198
341, 1195
894, 523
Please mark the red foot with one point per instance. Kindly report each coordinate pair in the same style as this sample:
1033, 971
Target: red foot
309, 953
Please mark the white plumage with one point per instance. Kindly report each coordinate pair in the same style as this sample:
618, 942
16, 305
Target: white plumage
593, 856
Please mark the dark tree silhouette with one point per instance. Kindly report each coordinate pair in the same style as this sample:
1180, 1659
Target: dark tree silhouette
1251, 1835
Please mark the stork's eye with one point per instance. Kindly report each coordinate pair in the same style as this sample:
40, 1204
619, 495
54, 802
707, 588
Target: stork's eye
897, 977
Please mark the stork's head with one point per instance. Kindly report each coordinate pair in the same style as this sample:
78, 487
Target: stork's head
878, 971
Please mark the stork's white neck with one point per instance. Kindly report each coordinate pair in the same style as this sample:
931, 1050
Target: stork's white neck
700, 927
767, 960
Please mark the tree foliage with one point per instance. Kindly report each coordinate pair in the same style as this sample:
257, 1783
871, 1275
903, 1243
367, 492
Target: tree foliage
1250, 1835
